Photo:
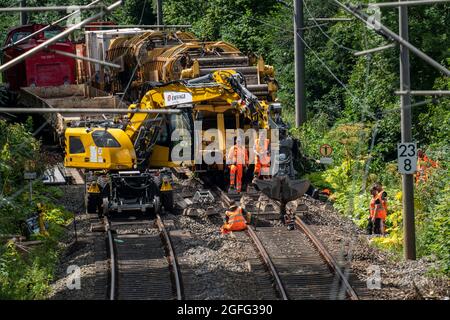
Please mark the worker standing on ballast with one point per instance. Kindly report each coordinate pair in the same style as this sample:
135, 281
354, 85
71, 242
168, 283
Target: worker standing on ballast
382, 195
378, 210
235, 219
262, 158
237, 158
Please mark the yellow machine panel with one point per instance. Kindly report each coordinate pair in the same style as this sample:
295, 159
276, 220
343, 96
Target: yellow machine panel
99, 149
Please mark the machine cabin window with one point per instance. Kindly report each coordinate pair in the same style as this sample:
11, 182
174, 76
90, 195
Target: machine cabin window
75, 145
104, 139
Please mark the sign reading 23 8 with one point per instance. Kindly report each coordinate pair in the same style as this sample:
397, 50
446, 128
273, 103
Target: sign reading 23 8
407, 157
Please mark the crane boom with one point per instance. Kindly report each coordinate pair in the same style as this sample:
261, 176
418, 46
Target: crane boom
128, 145
224, 85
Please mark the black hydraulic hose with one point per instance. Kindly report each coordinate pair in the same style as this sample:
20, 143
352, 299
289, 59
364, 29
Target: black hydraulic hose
206, 78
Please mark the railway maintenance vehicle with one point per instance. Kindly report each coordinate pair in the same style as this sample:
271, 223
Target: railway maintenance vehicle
123, 152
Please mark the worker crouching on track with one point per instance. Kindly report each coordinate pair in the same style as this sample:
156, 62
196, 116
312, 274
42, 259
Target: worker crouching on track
262, 158
378, 210
237, 158
235, 220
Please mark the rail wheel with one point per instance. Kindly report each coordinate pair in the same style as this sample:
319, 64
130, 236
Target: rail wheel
103, 208
167, 201
92, 203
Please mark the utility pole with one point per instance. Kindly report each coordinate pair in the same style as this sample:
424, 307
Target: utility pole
159, 13
299, 53
409, 234
23, 14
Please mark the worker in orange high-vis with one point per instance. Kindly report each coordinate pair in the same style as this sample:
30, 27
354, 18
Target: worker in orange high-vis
424, 164
235, 219
237, 159
382, 195
371, 223
262, 158
378, 211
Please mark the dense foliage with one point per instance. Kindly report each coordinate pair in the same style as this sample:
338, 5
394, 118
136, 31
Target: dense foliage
350, 101
25, 272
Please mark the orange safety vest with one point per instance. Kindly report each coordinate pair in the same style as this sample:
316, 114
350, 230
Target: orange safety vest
378, 210
265, 158
423, 164
236, 220
237, 154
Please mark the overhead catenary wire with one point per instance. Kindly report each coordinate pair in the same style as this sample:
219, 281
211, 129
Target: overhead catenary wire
389, 34
324, 33
403, 3
60, 35
138, 62
323, 63
49, 8
89, 110
316, 55
48, 26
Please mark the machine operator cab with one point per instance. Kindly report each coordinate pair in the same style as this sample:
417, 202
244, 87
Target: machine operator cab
99, 149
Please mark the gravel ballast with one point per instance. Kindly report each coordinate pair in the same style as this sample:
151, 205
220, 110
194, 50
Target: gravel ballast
399, 279
80, 254
216, 266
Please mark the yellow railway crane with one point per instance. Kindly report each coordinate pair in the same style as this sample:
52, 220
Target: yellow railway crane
126, 152
165, 56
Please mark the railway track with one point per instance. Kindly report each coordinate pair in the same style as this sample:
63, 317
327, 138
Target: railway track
300, 265
142, 262
286, 265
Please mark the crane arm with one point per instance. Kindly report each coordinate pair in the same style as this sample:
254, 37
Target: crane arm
176, 93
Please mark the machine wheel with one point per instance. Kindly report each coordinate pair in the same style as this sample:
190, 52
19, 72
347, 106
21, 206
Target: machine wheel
157, 201
92, 203
103, 208
167, 201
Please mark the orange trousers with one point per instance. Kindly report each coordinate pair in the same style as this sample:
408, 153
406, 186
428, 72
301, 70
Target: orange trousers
236, 172
227, 228
261, 168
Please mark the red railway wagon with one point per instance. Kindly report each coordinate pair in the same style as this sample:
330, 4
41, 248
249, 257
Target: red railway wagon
43, 68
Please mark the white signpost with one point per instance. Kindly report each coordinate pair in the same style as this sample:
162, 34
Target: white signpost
407, 157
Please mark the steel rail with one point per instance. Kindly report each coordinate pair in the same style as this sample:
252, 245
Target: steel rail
172, 257
262, 251
323, 252
268, 262
112, 262
327, 257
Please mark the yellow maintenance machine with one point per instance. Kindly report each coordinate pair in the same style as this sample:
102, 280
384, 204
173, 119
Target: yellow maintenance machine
151, 58
125, 150
163, 56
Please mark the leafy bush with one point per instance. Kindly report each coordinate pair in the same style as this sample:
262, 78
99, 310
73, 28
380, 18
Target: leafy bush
27, 274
